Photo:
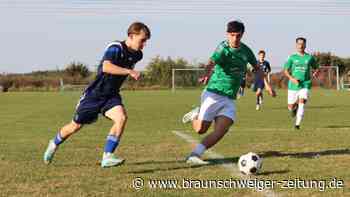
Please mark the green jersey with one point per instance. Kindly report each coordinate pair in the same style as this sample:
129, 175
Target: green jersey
300, 68
230, 68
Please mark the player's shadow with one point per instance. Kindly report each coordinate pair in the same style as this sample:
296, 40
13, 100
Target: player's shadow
165, 169
267, 173
155, 162
309, 155
315, 107
324, 106
337, 126
220, 161
212, 162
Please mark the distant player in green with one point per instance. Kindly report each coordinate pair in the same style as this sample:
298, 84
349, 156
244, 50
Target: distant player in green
298, 69
229, 61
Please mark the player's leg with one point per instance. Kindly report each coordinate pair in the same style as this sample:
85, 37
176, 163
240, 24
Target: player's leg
202, 117
63, 134
222, 125
242, 90
211, 104
115, 111
302, 99
292, 102
224, 116
200, 126
258, 94
86, 113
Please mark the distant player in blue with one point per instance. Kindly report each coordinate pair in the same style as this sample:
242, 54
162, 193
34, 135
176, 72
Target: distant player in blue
102, 95
259, 84
242, 86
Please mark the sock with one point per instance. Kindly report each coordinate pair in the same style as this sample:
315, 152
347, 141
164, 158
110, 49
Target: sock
111, 143
58, 139
300, 113
257, 100
199, 150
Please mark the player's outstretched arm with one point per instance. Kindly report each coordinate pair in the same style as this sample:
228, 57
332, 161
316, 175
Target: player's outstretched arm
110, 68
208, 71
315, 73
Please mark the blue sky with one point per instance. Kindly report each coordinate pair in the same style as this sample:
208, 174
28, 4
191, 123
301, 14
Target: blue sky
48, 34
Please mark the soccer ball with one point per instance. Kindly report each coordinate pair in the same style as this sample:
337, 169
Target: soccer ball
250, 163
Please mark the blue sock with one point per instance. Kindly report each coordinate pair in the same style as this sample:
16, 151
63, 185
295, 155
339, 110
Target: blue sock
111, 143
58, 139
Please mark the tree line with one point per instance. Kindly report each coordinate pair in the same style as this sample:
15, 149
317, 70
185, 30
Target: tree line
157, 75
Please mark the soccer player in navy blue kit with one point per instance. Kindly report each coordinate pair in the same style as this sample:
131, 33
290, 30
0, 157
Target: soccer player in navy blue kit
259, 84
102, 95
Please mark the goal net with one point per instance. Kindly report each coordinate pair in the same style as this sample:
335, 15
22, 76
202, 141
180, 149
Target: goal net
327, 78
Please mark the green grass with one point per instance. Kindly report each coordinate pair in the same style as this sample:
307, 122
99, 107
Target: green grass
29, 120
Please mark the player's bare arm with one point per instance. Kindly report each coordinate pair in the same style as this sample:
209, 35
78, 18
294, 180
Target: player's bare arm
292, 79
315, 73
110, 68
208, 71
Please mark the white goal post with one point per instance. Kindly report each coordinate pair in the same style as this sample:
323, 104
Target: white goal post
336, 70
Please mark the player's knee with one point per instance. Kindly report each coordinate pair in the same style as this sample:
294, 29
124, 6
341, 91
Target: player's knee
303, 101
75, 126
120, 118
200, 129
291, 107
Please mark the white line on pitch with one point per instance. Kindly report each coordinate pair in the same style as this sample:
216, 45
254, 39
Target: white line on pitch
232, 168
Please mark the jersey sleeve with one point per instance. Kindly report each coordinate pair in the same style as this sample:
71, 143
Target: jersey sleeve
218, 55
251, 58
313, 63
112, 53
268, 66
288, 64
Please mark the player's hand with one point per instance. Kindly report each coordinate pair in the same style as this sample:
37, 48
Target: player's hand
295, 81
135, 74
204, 80
271, 91
315, 74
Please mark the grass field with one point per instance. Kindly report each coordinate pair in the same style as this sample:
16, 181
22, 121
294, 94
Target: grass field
320, 151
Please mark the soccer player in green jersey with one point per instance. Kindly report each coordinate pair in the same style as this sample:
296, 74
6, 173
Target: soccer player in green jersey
225, 70
298, 69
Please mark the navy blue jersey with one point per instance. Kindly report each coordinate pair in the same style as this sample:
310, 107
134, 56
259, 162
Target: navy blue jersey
107, 84
265, 66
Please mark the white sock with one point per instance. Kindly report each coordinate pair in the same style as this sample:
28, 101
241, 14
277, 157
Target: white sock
300, 113
199, 150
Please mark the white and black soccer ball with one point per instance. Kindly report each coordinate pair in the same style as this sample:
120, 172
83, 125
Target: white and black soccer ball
250, 163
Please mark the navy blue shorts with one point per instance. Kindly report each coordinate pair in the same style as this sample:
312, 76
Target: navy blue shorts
259, 84
89, 107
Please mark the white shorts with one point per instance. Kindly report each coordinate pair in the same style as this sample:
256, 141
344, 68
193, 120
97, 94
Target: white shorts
214, 105
294, 95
